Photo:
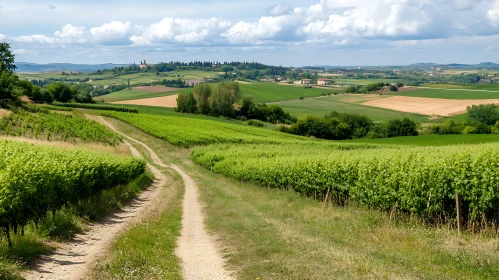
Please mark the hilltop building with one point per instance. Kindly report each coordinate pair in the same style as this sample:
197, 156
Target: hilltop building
143, 65
323, 82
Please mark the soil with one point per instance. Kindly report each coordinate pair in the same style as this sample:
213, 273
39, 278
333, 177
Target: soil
427, 106
4, 113
164, 101
74, 259
155, 88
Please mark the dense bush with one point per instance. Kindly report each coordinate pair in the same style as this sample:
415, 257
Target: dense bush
339, 126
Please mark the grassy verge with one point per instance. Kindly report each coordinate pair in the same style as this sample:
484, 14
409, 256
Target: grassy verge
146, 250
62, 226
275, 234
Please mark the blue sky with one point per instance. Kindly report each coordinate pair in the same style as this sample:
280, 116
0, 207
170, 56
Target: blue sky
315, 32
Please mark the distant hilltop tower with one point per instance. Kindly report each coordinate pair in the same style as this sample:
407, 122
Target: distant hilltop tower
143, 65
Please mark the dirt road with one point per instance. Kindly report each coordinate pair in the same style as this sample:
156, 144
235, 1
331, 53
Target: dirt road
197, 249
74, 259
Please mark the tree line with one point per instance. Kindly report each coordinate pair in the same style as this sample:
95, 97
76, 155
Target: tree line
222, 100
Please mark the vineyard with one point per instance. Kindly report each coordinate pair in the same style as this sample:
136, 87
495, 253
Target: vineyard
56, 127
37, 179
183, 131
421, 181
96, 107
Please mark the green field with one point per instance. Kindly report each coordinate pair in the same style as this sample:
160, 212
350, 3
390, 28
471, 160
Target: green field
449, 93
433, 140
490, 87
324, 105
131, 94
362, 82
135, 79
273, 92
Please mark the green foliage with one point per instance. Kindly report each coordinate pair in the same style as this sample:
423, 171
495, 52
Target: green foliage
62, 92
256, 123
198, 130
421, 181
338, 126
56, 127
375, 86
223, 98
394, 88
483, 113
202, 93
36, 179
6, 58
97, 107
7, 85
186, 103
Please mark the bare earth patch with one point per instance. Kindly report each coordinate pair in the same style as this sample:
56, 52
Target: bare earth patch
164, 101
155, 88
243, 82
4, 113
427, 106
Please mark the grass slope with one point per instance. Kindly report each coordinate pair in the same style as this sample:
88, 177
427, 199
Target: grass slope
321, 106
433, 140
273, 92
130, 94
275, 234
449, 93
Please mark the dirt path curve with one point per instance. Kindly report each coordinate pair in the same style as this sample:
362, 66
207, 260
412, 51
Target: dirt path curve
74, 259
196, 248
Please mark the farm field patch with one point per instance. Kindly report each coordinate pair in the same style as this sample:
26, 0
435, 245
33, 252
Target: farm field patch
274, 92
449, 93
169, 101
128, 94
427, 106
345, 104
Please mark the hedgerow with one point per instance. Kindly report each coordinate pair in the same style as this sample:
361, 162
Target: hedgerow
97, 107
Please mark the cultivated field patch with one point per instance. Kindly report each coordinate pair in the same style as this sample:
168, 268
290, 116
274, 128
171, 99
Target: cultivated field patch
164, 101
155, 88
427, 106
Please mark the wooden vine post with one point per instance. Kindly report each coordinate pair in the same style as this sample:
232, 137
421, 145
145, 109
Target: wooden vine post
458, 213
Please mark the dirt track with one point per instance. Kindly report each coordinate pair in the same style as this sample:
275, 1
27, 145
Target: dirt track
164, 101
196, 248
74, 259
427, 106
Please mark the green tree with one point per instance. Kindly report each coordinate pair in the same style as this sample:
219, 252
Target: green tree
223, 99
8, 80
61, 91
6, 58
7, 85
202, 93
186, 103
483, 113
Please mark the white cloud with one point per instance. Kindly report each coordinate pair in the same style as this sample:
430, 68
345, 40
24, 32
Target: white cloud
24, 52
115, 32
267, 28
181, 30
35, 39
71, 34
280, 9
2, 37
493, 14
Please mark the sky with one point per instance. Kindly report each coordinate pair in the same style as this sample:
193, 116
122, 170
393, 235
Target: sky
288, 33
